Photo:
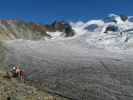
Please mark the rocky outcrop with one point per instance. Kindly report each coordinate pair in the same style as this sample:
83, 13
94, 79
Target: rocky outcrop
111, 28
123, 17
63, 27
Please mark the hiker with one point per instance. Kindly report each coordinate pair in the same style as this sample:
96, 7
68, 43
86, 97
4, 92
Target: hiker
19, 72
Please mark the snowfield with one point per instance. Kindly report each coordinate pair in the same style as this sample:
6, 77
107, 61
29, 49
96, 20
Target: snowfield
89, 66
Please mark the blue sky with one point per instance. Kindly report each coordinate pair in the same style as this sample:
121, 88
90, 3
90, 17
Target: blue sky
44, 11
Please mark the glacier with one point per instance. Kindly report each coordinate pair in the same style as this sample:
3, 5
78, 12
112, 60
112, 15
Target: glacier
92, 65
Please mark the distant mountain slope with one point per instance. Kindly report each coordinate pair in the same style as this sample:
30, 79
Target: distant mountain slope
14, 29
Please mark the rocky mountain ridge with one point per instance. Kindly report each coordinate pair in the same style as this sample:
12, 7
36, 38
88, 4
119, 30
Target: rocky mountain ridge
15, 29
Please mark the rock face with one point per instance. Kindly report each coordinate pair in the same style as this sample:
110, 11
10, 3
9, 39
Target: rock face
111, 28
14, 29
123, 17
63, 27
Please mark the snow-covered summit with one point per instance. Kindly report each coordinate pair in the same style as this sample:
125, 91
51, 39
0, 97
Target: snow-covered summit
122, 22
112, 32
